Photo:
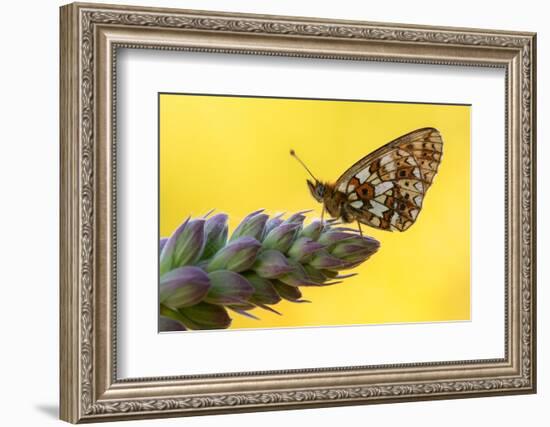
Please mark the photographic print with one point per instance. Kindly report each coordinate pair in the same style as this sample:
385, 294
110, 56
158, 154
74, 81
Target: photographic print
361, 193
298, 212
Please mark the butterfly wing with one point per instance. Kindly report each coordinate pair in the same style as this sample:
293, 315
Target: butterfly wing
386, 188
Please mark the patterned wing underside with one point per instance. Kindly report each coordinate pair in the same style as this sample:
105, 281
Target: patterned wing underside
386, 189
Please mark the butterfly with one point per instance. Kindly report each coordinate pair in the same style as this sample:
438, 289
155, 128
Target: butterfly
386, 188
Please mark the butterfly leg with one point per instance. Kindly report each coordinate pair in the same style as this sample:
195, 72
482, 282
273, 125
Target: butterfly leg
359, 226
322, 214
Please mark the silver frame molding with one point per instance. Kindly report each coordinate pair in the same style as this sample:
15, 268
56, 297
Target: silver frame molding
90, 37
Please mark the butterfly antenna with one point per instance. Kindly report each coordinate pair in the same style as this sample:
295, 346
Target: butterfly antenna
293, 154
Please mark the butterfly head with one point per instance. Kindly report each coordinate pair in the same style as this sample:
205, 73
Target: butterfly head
316, 187
317, 190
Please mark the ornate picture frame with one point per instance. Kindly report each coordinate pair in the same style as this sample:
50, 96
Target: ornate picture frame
90, 388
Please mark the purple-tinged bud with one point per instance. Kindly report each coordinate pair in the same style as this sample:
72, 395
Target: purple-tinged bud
190, 243
228, 287
184, 246
355, 250
215, 234
303, 249
169, 325
252, 225
314, 274
352, 253
297, 218
323, 260
167, 252
272, 223
264, 292
290, 293
242, 307
332, 237
281, 237
183, 287
170, 320
330, 274
271, 264
205, 316
237, 256
313, 230
298, 277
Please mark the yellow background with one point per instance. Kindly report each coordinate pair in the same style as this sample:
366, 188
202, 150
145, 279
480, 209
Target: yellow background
232, 154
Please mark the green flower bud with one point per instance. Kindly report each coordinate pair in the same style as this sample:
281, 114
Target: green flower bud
237, 256
281, 237
228, 287
184, 247
303, 249
313, 230
205, 316
215, 234
252, 225
271, 264
183, 287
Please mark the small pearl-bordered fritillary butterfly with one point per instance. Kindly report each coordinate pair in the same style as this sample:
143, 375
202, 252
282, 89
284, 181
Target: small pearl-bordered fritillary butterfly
386, 188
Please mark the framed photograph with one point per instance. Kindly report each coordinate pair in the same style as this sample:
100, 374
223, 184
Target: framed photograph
266, 212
